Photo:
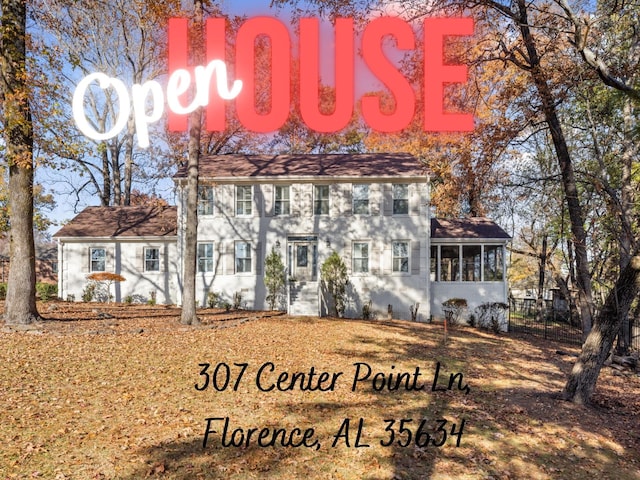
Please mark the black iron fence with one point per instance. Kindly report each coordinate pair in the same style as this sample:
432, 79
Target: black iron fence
553, 323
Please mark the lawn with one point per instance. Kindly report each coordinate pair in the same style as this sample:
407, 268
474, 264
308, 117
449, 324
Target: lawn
109, 392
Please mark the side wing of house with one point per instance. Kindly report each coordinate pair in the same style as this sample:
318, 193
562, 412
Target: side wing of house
138, 243
467, 261
148, 266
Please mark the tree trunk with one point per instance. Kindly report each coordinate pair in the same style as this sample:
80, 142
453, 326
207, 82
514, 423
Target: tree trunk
596, 348
115, 171
20, 304
105, 197
626, 241
188, 315
583, 277
542, 264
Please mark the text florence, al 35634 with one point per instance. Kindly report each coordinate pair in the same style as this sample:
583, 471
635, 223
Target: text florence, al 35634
181, 80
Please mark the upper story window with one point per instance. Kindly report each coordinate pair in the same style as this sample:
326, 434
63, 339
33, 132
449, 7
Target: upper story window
205, 257
400, 261
243, 200
98, 260
360, 257
205, 200
321, 199
282, 200
151, 259
243, 257
360, 199
400, 199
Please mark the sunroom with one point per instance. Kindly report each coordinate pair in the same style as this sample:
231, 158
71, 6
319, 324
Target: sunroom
468, 261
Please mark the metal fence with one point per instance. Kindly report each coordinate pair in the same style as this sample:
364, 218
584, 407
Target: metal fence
553, 324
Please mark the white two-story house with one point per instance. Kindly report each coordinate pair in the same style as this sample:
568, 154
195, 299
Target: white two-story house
372, 209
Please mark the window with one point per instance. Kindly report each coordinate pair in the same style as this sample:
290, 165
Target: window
400, 199
205, 257
471, 263
243, 200
360, 257
243, 257
361, 199
283, 195
449, 263
321, 199
151, 259
400, 251
98, 260
493, 263
205, 200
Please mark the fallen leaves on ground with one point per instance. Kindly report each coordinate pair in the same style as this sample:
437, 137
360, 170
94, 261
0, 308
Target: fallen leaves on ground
109, 391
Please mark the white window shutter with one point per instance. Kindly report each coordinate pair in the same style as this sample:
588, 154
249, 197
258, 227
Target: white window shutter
109, 263
386, 260
347, 202
86, 265
414, 199
374, 199
415, 257
230, 259
295, 199
387, 199
258, 200
259, 256
335, 194
230, 200
374, 259
269, 199
346, 256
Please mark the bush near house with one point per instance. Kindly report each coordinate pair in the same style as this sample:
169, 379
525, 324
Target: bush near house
46, 291
335, 279
453, 309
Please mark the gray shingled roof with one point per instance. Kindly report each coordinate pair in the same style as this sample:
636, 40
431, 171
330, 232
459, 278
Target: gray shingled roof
475, 227
330, 165
122, 222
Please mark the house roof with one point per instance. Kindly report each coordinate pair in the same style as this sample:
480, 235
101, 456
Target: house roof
122, 222
459, 228
311, 165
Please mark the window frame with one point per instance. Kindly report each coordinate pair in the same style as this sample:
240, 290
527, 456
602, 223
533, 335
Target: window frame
205, 202
240, 263
246, 203
203, 258
92, 260
362, 201
146, 260
395, 209
365, 268
394, 257
320, 202
282, 201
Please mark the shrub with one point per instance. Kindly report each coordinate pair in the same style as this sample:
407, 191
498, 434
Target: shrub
366, 310
414, 311
152, 298
46, 291
453, 309
214, 299
89, 291
128, 299
274, 278
3, 291
335, 279
492, 315
237, 300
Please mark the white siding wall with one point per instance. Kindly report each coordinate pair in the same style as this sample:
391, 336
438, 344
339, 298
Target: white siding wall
124, 257
340, 228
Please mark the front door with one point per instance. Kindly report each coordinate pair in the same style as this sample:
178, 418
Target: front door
303, 260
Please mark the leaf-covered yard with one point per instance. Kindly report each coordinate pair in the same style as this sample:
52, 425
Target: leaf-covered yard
109, 392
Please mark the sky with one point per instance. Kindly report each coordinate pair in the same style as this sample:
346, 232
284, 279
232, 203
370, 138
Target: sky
66, 204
